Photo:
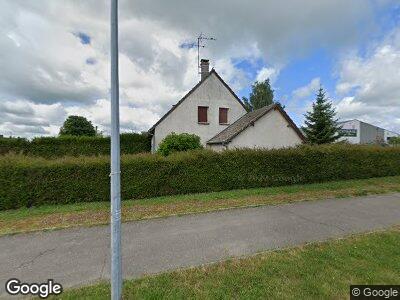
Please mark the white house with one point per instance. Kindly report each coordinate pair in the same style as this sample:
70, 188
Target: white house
358, 132
212, 111
267, 127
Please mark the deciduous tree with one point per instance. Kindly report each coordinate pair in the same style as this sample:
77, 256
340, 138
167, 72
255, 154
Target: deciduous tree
261, 95
77, 126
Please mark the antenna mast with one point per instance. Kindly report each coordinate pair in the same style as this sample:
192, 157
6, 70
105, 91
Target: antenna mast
200, 44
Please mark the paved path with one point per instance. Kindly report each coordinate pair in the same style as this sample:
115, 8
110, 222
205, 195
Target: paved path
81, 256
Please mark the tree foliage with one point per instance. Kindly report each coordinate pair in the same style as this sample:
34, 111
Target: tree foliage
77, 126
179, 142
395, 141
321, 125
261, 95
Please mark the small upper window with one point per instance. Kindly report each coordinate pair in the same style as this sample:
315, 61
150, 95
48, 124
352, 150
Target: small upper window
223, 115
202, 114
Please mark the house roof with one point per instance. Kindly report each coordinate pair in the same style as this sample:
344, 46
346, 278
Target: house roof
151, 130
229, 133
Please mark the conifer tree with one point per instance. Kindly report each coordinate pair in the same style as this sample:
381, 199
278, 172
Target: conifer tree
321, 125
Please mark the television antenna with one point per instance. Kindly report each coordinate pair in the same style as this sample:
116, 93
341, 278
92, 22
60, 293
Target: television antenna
200, 44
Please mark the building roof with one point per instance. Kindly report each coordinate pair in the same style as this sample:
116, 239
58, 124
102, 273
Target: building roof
229, 133
151, 130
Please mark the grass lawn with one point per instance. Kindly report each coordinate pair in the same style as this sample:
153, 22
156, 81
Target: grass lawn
95, 213
315, 271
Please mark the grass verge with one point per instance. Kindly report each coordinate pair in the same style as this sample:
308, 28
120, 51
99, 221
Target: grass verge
314, 271
96, 213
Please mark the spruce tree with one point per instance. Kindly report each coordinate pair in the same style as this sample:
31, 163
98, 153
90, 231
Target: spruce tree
321, 125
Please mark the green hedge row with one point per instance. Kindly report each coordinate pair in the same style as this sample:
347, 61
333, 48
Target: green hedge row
27, 181
131, 143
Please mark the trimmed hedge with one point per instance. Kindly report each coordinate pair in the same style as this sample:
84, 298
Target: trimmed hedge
131, 143
27, 181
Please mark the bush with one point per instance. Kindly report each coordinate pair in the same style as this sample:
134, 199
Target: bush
15, 145
131, 143
394, 141
27, 181
179, 142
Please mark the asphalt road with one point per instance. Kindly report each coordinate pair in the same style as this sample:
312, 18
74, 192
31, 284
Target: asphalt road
81, 256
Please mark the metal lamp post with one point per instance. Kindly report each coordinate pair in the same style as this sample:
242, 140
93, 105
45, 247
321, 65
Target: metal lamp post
116, 273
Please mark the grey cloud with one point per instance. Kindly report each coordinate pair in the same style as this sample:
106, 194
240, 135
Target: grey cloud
16, 109
17, 120
35, 78
23, 130
281, 29
42, 62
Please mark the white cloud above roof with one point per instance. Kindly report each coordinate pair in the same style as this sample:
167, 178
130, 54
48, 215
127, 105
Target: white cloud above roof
371, 84
53, 72
307, 90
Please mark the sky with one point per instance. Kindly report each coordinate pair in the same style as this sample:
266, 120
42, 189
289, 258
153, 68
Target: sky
54, 58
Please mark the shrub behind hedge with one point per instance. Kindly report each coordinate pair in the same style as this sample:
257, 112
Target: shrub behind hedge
28, 181
14, 145
131, 143
179, 142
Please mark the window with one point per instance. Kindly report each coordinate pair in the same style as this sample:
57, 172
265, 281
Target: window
202, 114
223, 115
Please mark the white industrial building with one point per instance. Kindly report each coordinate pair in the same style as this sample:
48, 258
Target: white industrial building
358, 132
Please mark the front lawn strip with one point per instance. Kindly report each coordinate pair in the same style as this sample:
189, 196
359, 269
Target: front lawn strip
96, 213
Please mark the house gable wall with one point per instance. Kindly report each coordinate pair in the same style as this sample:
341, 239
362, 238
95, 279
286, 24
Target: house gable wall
183, 119
270, 131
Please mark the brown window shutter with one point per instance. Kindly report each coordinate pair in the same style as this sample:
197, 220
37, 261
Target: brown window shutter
223, 115
202, 114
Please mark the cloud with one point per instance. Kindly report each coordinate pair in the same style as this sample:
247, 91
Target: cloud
385, 117
237, 78
281, 29
266, 73
45, 61
25, 118
371, 84
307, 90
57, 52
131, 118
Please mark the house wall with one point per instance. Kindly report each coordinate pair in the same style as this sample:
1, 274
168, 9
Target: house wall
183, 119
351, 126
217, 147
270, 131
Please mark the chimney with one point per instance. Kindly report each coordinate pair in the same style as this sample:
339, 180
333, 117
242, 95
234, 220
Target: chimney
204, 68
